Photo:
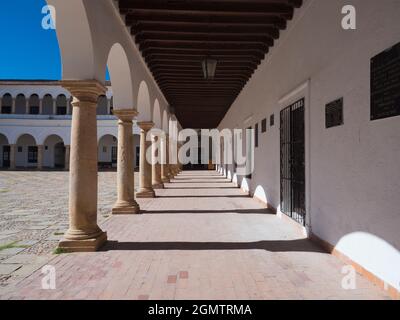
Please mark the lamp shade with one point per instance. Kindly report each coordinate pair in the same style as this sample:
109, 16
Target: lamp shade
209, 67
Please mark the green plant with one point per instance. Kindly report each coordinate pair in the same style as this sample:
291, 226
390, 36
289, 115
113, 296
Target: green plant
12, 245
59, 251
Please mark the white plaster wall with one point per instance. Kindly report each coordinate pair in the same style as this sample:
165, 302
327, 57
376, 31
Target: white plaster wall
353, 178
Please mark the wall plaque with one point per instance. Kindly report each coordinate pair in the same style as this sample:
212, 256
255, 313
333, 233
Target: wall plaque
264, 125
334, 113
385, 84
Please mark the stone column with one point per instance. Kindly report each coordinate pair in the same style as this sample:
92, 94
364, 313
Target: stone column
13, 105
83, 234
67, 156
41, 106
13, 149
146, 190
126, 203
164, 164
55, 106
108, 106
156, 167
40, 157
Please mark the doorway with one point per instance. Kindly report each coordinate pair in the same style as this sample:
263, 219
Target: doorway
59, 155
6, 156
292, 161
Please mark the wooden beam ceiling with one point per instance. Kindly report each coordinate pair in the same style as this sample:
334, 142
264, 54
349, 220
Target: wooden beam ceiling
175, 36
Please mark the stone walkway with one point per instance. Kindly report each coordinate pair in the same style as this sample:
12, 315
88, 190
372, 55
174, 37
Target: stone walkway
201, 238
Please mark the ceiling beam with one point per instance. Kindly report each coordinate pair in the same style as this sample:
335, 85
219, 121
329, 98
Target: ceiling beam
136, 16
203, 45
192, 27
143, 37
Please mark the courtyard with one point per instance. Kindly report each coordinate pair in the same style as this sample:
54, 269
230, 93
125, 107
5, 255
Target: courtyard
200, 238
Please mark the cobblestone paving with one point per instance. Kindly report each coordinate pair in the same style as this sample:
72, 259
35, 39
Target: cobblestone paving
34, 216
201, 238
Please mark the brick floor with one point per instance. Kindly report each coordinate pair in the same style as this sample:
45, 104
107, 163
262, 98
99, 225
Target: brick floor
201, 238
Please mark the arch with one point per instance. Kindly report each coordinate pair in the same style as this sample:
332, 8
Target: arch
54, 137
47, 104
61, 104
3, 139
107, 151
64, 135
143, 102
121, 77
54, 152
34, 104
157, 114
27, 151
20, 104
102, 105
73, 33
6, 103
26, 137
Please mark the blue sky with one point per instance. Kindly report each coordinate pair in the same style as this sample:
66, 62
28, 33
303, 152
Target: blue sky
28, 51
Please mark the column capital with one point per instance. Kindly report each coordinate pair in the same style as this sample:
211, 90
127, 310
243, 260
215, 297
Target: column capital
85, 90
125, 115
146, 125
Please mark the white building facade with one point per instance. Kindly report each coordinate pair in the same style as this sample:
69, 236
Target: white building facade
35, 126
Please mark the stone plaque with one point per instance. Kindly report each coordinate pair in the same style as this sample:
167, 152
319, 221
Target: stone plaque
385, 84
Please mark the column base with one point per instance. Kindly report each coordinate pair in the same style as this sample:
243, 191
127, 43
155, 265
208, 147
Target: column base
165, 180
146, 194
158, 186
87, 245
126, 209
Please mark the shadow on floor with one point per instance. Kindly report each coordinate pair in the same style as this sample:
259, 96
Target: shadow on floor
205, 196
300, 245
191, 188
199, 177
239, 211
195, 182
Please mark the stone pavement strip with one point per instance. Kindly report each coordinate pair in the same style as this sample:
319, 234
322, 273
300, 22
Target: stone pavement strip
201, 238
